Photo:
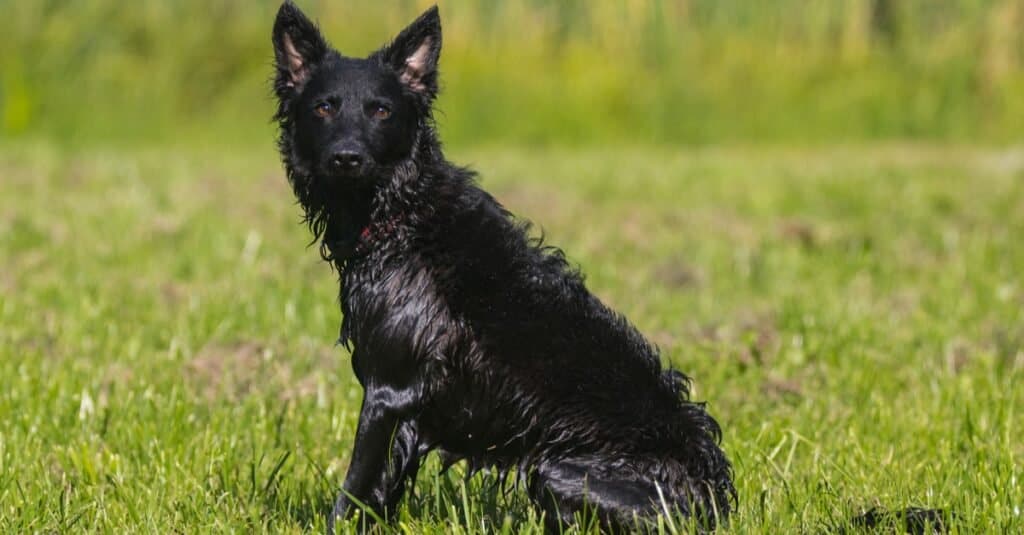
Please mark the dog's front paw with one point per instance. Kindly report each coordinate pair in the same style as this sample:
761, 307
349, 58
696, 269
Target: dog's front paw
348, 508
342, 509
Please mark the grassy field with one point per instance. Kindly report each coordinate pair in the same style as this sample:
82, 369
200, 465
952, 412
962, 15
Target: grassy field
852, 308
853, 315
542, 72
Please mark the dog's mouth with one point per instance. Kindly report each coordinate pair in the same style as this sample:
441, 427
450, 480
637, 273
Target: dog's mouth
341, 176
348, 177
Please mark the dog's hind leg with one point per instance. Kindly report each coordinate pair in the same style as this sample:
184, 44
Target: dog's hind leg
387, 453
571, 487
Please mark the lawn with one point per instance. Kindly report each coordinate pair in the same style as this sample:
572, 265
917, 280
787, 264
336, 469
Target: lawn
854, 317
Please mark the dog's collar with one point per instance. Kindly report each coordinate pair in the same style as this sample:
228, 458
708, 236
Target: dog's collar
373, 234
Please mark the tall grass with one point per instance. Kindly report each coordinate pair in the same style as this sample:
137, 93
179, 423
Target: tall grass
575, 72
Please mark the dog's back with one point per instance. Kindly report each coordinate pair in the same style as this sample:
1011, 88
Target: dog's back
563, 379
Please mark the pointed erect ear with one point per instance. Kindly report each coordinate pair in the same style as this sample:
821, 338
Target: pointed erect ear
414, 53
298, 47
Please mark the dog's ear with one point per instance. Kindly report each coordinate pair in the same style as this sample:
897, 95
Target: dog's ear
298, 47
414, 53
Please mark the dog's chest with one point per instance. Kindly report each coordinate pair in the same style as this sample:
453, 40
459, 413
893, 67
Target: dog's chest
395, 318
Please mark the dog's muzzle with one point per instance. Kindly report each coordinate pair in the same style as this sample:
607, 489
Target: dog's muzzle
348, 159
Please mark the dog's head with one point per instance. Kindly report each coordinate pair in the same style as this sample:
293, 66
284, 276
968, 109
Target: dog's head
346, 121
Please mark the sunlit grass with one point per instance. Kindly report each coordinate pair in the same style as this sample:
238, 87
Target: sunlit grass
853, 316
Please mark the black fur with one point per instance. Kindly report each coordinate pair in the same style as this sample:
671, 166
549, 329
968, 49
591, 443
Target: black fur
469, 336
915, 520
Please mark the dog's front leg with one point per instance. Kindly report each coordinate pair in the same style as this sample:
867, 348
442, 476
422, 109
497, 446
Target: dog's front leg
385, 455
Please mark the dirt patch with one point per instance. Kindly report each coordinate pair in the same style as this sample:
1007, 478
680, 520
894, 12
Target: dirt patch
234, 371
310, 386
676, 273
904, 302
226, 371
958, 355
779, 389
173, 293
165, 224
761, 337
801, 232
752, 340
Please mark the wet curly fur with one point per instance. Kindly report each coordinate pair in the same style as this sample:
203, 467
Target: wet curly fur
469, 336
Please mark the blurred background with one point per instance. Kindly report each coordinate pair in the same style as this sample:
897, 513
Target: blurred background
570, 72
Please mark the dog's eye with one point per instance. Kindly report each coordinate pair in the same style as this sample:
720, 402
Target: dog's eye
381, 112
324, 110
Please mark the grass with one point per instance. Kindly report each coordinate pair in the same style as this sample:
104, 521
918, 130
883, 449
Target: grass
853, 315
565, 72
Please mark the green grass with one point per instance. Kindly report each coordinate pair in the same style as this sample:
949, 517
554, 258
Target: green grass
540, 71
853, 315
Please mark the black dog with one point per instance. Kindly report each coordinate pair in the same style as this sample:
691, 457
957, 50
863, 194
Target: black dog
469, 336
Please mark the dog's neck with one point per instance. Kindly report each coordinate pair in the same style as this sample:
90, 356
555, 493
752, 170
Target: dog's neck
339, 217
358, 221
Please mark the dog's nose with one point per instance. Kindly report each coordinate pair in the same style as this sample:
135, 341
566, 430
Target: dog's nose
345, 160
